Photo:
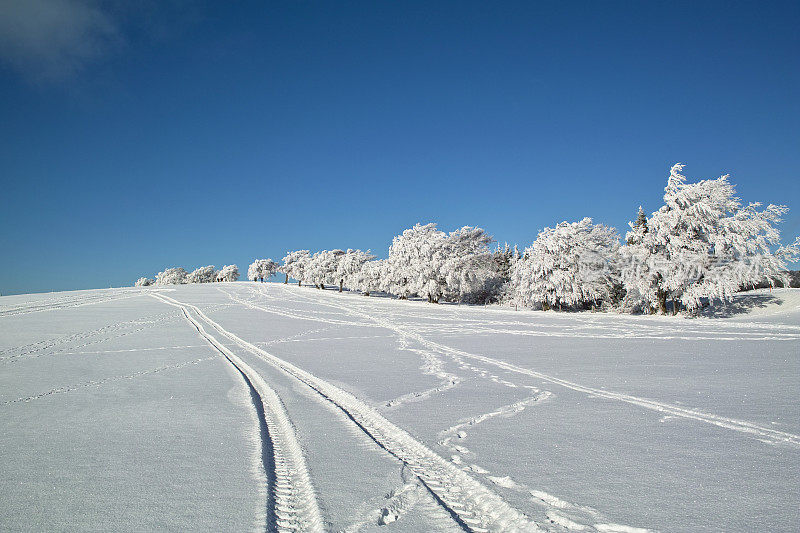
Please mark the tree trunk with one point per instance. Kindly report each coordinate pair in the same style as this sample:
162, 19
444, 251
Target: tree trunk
341, 283
287, 280
662, 301
545, 306
298, 281
676, 306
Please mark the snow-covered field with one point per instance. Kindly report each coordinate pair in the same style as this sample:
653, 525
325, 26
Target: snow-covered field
243, 406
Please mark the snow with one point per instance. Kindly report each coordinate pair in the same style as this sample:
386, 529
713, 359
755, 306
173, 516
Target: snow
252, 406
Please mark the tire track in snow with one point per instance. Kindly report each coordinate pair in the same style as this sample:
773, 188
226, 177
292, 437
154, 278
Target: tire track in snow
472, 505
293, 505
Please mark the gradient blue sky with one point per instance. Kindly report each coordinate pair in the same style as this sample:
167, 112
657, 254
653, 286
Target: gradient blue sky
194, 133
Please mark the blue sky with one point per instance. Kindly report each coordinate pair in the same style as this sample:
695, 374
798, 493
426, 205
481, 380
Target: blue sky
191, 133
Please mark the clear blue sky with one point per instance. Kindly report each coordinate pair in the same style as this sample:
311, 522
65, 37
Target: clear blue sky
194, 133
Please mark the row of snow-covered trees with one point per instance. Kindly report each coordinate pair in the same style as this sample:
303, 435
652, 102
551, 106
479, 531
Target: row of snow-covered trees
702, 244
178, 276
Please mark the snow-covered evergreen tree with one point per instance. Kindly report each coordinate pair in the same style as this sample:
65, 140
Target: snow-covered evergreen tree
206, 274
228, 273
295, 265
703, 243
572, 264
143, 282
171, 276
262, 269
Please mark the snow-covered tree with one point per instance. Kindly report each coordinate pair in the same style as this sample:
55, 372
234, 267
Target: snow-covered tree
295, 265
171, 276
469, 270
571, 264
369, 277
703, 243
323, 267
426, 261
415, 257
262, 269
143, 282
228, 273
206, 274
349, 265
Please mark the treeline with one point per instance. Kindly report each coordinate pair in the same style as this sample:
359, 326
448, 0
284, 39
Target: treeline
177, 276
702, 244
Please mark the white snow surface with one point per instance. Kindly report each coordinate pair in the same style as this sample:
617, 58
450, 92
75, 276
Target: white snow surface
264, 406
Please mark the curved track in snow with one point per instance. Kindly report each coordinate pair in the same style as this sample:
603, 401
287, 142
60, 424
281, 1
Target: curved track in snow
293, 504
472, 505
766, 434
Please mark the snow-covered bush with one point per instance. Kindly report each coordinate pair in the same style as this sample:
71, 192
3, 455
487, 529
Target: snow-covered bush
572, 264
206, 274
703, 243
262, 269
228, 273
171, 276
295, 265
143, 282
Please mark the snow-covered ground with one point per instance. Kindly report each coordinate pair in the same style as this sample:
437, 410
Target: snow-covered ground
244, 406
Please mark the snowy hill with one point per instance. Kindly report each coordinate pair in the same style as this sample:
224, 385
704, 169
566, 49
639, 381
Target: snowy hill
244, 406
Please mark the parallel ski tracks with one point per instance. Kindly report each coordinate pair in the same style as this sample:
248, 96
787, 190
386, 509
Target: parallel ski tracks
472, 505
293, 504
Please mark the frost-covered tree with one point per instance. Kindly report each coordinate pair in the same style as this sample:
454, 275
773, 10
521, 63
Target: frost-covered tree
262, 269
295, 265
323, 267
572, 264
206, 274
369, 277
430, 263
171, 276
143, 282
415, 258
228, 273
349, 265
703, 243
638, 228
469, 270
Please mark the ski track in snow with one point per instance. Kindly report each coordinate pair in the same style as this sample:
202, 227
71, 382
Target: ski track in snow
39, 352
762, 433
472, 505
55, 304
294, 505
560, 514
34, 347
98, 382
